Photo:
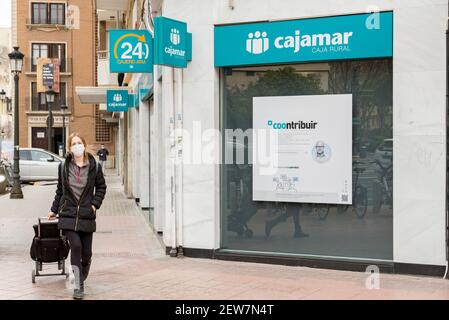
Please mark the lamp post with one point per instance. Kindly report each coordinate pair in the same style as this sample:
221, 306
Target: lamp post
64, 108
2, 137
8, 105
3, 100
50, 98
16, 64
9, 113
2, 131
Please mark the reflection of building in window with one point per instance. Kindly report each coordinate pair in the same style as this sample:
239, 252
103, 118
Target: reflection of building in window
377, 117
338, 78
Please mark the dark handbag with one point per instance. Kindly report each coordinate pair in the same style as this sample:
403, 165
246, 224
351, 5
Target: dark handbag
49, 249
48, 244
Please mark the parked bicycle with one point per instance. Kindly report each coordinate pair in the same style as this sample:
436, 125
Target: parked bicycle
385, 194
359, 195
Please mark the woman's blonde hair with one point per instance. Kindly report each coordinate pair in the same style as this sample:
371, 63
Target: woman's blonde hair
69, 144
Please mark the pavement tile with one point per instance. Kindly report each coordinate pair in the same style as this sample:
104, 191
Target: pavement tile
129, 263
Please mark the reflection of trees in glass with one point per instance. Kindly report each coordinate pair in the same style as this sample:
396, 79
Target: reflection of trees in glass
283, 82
371, 84
239, 106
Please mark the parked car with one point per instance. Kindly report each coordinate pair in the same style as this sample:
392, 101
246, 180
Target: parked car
38, 165
384, 152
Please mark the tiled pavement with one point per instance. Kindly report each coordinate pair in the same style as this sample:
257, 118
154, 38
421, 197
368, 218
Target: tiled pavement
129, 263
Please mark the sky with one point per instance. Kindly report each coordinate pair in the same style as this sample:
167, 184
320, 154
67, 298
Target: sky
5, 13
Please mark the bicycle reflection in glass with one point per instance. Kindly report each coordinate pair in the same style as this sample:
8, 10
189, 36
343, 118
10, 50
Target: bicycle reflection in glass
320, 210
385, 190
359, 195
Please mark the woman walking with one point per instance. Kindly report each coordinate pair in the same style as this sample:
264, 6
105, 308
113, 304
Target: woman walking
80, 193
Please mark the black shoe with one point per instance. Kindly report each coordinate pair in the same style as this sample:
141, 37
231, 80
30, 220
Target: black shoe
300, 234
78, 294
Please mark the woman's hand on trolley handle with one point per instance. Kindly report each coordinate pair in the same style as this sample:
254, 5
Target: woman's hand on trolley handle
52, 216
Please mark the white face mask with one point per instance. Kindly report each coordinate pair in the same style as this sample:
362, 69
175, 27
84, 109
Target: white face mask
78, 150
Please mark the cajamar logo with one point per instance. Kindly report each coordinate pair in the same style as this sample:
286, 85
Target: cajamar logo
175, 37
134, 49
257, 42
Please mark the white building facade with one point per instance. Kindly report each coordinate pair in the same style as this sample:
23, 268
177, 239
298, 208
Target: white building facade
205, 207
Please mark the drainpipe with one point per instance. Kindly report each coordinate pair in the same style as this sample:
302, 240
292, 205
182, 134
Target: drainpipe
172, 126
177, 167
447, 162
179, 163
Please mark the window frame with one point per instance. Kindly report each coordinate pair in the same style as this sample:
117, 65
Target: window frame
60, 98
58, 5
34, 152
60, 48
25, 152
60, 9
225, 177
39, 6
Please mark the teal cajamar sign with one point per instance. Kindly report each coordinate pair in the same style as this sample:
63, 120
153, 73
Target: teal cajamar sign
357, 36
130, 51
117, 100
171, 42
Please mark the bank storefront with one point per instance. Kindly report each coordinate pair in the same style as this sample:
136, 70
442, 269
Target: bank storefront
337, 74
332, 135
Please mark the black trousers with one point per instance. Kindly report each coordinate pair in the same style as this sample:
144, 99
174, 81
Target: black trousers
80, 251
292, 210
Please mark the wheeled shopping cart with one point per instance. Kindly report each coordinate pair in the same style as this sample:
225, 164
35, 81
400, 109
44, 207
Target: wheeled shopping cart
49, 246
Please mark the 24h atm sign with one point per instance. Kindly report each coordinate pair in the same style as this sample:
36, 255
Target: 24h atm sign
131, 51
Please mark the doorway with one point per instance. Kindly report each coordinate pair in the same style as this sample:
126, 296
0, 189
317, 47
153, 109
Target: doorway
40, 139
58, 145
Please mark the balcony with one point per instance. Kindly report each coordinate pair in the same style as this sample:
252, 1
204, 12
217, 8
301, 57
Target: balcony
32, 106
65, 67
105, 78
112, 5
32, 26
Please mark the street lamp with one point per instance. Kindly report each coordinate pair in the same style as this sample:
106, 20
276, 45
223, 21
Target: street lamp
16, 64
64, 108
8, 105
50, 97
3, 97
2, 137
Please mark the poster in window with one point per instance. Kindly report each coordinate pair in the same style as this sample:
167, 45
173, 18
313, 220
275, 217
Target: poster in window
303, 149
